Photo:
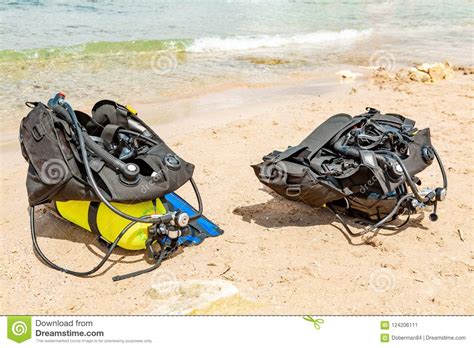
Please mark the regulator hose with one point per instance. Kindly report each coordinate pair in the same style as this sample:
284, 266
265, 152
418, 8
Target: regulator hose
48, 262
129, 171
351, 151
409, 180
82, 146
143, 271
193, 183
355, 153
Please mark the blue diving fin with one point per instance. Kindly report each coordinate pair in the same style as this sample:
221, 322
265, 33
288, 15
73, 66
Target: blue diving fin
201, 228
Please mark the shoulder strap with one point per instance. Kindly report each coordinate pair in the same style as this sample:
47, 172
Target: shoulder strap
324, 133
317, 139
109, 131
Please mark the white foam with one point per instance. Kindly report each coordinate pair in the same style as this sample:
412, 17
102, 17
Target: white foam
243, 43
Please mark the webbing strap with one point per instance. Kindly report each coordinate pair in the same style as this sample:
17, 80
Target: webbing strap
287, 153
318, 138
325, 132
92, 217
109, 131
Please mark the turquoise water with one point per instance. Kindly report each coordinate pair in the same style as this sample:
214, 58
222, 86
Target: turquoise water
147, 48
219, 25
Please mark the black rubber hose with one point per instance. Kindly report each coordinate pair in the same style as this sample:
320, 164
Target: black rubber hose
48, 262
441, 167
391, 214
62, 112
104, 154
143, 271
346, 150
407, 177
344, 224
90, 177
375, 226
193, 183
351, 151
199, 199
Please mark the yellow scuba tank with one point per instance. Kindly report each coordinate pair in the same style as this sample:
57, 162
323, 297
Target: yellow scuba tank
98, 218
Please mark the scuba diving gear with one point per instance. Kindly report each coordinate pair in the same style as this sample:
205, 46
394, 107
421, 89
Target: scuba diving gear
53, 148
110, 174
97, 218
364, 165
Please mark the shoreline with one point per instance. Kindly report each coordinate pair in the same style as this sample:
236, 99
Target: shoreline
200, 106
196, 105
163, 77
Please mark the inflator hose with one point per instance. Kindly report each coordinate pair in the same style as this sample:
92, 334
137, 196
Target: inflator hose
355, 153
193, 183
159, 219
111, 248
108, 158
351, 151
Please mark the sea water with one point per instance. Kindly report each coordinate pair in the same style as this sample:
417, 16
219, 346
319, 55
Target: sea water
141, 49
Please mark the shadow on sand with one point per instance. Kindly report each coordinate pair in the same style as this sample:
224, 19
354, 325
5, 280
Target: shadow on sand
279, 212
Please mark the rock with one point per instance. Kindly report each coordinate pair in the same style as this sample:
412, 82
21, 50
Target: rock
440, 71
431, 72
425, 67
466, 70
415, 74
382, 75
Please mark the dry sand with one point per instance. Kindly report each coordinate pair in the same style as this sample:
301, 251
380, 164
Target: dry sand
275, 257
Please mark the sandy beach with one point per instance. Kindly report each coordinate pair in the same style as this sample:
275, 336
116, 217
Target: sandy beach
276, 256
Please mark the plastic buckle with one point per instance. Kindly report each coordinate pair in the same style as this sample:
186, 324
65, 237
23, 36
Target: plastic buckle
293, 190
131, 110
37, 133
371, 110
